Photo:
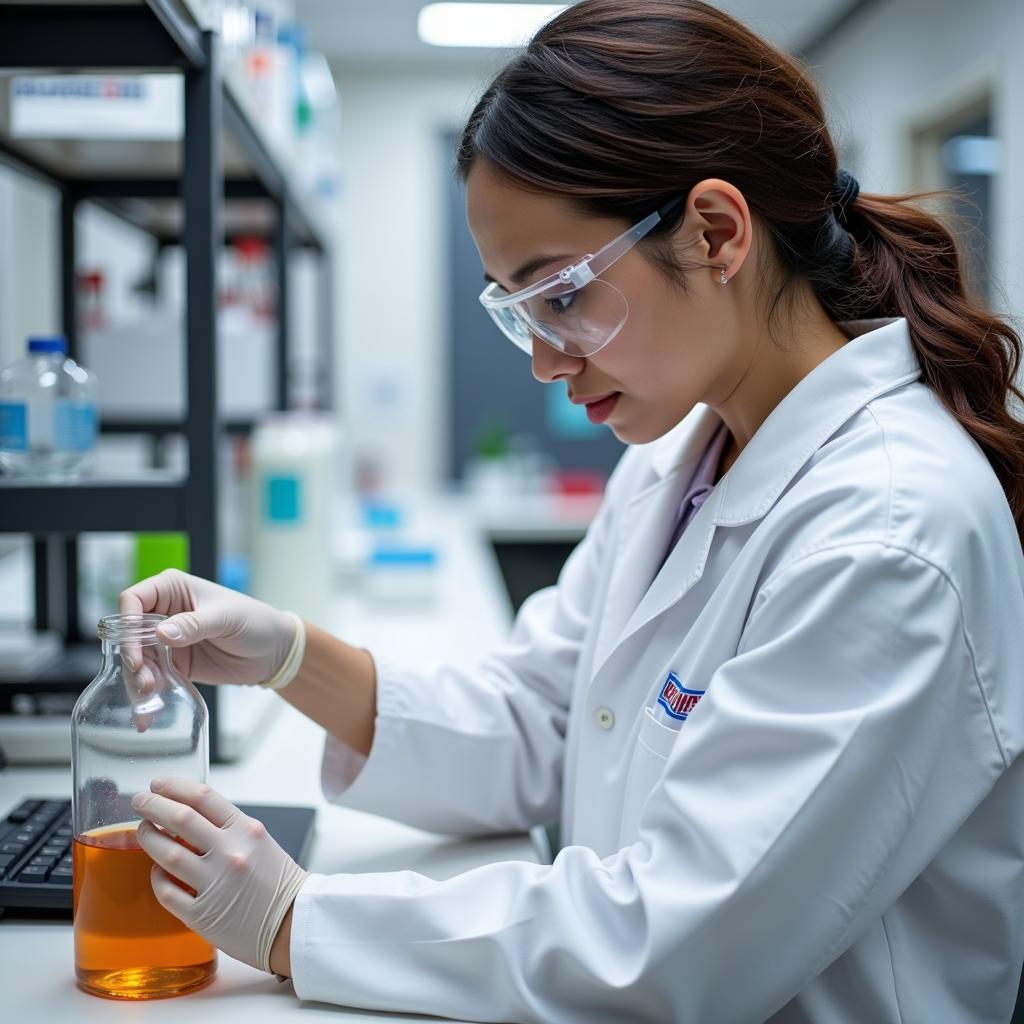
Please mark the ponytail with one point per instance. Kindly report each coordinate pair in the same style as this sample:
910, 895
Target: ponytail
906, 263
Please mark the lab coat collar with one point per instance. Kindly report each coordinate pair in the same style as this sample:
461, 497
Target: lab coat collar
879, 358
647, 520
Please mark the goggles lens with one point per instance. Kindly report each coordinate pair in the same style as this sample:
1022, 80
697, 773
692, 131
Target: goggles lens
575, 311
577, 321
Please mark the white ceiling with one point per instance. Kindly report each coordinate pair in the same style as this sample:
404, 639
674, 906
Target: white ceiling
361, 33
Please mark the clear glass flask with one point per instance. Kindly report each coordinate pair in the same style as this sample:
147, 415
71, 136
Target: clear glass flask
136, 721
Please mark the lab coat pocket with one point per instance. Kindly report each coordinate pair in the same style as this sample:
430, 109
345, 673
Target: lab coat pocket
653, 746
655, 736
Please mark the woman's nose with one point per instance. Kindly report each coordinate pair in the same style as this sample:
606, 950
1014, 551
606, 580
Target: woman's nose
549, 364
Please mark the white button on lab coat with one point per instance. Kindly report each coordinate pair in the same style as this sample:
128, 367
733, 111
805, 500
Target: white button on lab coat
786, 766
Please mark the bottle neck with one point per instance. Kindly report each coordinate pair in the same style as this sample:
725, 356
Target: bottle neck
132, 640
114, 649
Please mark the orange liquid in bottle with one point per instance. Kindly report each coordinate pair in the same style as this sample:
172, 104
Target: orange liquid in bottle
126, 945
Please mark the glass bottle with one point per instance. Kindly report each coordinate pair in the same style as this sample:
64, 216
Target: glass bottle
136, 721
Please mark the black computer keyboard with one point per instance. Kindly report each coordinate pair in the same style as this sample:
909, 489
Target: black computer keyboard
35, 856
35, 851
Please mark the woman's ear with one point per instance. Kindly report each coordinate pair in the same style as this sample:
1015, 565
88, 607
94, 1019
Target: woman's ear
718, 217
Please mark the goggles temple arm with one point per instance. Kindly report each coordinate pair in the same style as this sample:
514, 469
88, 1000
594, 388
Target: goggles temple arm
670, 210
666, 214
582, 273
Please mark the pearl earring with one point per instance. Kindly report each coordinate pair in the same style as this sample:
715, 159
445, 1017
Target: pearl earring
723, 279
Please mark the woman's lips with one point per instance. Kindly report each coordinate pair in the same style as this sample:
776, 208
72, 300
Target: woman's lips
598, 412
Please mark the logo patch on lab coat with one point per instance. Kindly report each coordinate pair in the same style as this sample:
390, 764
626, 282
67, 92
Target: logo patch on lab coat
676, 699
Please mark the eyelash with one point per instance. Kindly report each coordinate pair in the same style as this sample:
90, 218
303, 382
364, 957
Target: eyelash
556, 304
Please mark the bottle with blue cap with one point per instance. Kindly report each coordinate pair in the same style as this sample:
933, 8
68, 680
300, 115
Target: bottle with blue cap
47, 413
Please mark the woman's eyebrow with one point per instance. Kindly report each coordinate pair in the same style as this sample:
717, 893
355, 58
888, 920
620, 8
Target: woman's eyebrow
531, 266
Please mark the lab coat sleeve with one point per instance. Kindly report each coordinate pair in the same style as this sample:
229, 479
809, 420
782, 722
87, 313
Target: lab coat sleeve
475, 750
829, 761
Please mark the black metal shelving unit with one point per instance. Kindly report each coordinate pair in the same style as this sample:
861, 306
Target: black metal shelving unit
178, 194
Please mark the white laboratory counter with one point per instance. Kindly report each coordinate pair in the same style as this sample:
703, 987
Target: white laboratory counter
469, 617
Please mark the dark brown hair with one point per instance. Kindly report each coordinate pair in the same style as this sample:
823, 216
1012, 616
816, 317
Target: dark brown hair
618, 107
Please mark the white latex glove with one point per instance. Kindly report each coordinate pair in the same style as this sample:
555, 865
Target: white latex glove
218, 635
244, 882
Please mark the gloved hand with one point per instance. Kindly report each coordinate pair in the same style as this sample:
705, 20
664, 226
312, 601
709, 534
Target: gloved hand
218, 635
244, 882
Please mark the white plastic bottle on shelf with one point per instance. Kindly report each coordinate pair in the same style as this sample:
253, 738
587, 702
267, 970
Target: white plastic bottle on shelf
294, 515
47, 413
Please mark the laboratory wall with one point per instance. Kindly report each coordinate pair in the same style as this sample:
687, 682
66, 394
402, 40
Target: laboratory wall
393, 264
900, 66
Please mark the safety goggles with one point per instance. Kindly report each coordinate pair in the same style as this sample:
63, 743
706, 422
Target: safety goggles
574, 310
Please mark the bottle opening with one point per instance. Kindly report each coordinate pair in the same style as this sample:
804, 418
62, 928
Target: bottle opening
138, 629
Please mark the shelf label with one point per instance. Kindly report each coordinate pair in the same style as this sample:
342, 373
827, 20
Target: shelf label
97, 106
74, 425
13, 426
282, 499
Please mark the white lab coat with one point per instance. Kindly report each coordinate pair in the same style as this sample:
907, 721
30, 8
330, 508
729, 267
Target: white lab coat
834, 834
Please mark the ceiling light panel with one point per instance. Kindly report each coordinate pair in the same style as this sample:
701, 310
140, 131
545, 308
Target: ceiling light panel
483, 24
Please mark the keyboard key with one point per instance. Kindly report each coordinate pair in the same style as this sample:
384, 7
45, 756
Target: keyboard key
33, 873
59, 877
5, 859
63, 869
64, 830
12, 848
46, 862
53, 850
24, 811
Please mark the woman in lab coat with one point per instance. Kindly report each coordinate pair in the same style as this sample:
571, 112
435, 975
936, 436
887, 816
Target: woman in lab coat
776, 696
